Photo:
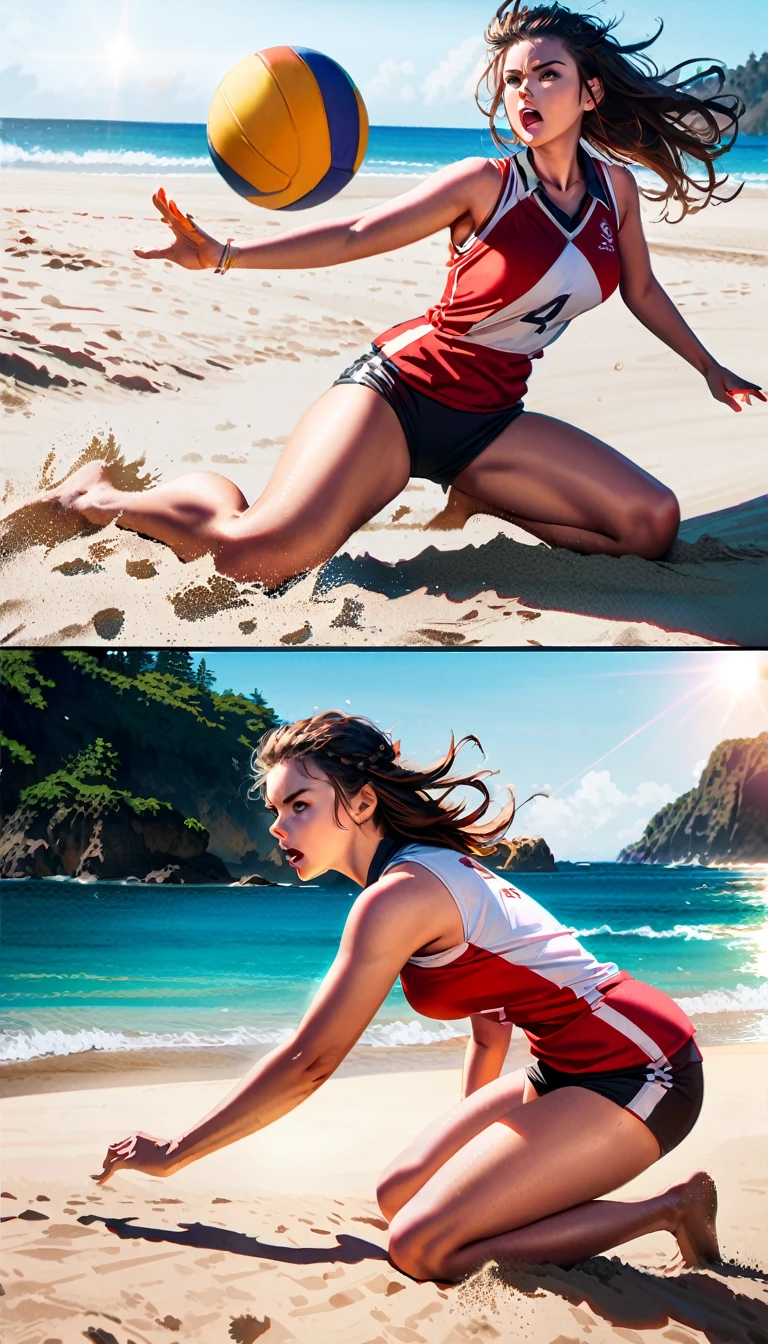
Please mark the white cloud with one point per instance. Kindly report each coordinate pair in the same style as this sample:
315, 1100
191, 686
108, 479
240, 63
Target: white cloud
596, 818
389, 75
454, 79
697, 769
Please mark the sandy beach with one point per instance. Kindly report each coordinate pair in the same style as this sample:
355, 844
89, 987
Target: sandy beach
165, 370
279, 1236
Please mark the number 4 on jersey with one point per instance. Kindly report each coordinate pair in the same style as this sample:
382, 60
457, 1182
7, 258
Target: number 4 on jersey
541, 317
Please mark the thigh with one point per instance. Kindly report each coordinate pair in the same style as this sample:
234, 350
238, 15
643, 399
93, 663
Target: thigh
345, 460
563, 1149
409, 1171
546, 470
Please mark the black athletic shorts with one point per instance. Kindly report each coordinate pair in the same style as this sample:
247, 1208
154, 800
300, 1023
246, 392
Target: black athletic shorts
441, 441
668, 1099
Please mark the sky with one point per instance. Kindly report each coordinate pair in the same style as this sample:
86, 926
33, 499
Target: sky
610, 737
415, 61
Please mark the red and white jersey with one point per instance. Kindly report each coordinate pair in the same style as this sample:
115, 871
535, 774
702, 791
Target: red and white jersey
518, 962
512, 289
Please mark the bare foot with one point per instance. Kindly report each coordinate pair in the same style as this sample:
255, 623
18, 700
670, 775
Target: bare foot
694, 1211
87, 492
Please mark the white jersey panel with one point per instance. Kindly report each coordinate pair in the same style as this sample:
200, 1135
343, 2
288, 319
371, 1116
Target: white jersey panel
501, 919
536, 319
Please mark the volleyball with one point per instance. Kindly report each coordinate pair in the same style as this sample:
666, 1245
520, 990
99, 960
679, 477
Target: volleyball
287, 129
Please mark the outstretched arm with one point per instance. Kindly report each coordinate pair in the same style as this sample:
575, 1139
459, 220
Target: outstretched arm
463, 188
652, 306
486, 1052
387, 923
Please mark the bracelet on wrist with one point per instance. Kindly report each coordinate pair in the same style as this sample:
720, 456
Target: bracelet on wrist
227, 258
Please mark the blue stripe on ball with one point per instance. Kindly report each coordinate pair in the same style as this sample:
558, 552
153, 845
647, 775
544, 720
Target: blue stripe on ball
334, 180
233, 179
340, 108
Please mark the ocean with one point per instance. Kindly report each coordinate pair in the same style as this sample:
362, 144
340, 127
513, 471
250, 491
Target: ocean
123, 969
162, 150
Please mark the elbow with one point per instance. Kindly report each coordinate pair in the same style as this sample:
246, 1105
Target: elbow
316, 1067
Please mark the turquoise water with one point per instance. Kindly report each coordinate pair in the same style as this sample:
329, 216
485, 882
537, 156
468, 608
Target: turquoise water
165, 149
117, 967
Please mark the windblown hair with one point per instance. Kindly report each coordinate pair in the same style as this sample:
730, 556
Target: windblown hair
351, 751
645, 117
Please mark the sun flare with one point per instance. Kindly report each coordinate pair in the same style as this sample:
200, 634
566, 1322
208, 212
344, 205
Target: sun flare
740, 674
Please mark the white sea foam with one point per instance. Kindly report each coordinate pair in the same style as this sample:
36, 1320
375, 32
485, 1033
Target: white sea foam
12, 155
688, 932
20, 1046
744, 998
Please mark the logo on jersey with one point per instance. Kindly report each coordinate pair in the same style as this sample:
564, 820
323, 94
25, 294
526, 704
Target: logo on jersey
606, 242
542, 317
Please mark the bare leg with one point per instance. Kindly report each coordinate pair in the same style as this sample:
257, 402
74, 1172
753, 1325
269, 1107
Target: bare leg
412, 1168
527, 1188
345, 460
566, 487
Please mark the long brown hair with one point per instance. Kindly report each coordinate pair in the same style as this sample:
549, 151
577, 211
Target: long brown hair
350, 751
645, 117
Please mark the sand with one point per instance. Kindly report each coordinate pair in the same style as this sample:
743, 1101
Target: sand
102, 352
279, 1235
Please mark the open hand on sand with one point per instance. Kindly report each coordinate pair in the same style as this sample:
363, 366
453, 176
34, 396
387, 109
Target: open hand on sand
192, 247
727, 387
140, 1152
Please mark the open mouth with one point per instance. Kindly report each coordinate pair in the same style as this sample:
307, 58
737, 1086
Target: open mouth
294, 857
529, 117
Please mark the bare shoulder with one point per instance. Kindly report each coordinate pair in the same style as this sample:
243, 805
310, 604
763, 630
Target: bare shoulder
625, 187
407, 907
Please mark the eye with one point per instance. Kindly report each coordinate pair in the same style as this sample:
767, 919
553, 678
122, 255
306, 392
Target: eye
511, 80
299, 806
550, 73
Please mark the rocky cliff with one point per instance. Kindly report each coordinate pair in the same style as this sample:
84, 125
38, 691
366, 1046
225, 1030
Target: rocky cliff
133, 757
527, 854
723, 820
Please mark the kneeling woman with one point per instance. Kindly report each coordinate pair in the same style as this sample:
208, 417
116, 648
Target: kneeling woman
516, 1171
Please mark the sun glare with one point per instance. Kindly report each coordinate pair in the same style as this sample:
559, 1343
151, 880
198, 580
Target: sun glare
120, 51
739, 674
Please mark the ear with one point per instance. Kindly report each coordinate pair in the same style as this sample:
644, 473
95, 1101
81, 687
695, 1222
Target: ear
364, 804
595, 95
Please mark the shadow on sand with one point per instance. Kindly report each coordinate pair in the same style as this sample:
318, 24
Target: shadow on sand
710, 583
637, 1299
348, 1251
617, 1292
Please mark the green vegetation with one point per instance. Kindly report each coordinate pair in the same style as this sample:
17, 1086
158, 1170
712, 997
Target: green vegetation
100, 732
723, 820
84, 783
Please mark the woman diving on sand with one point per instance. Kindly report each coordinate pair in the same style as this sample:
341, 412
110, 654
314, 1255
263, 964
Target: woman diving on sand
537, 238
519, 1168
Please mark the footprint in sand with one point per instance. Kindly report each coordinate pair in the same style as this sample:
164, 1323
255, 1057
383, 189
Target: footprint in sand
298, 637
246, 1329
202, 600
79, 566
140, 569
108, 623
